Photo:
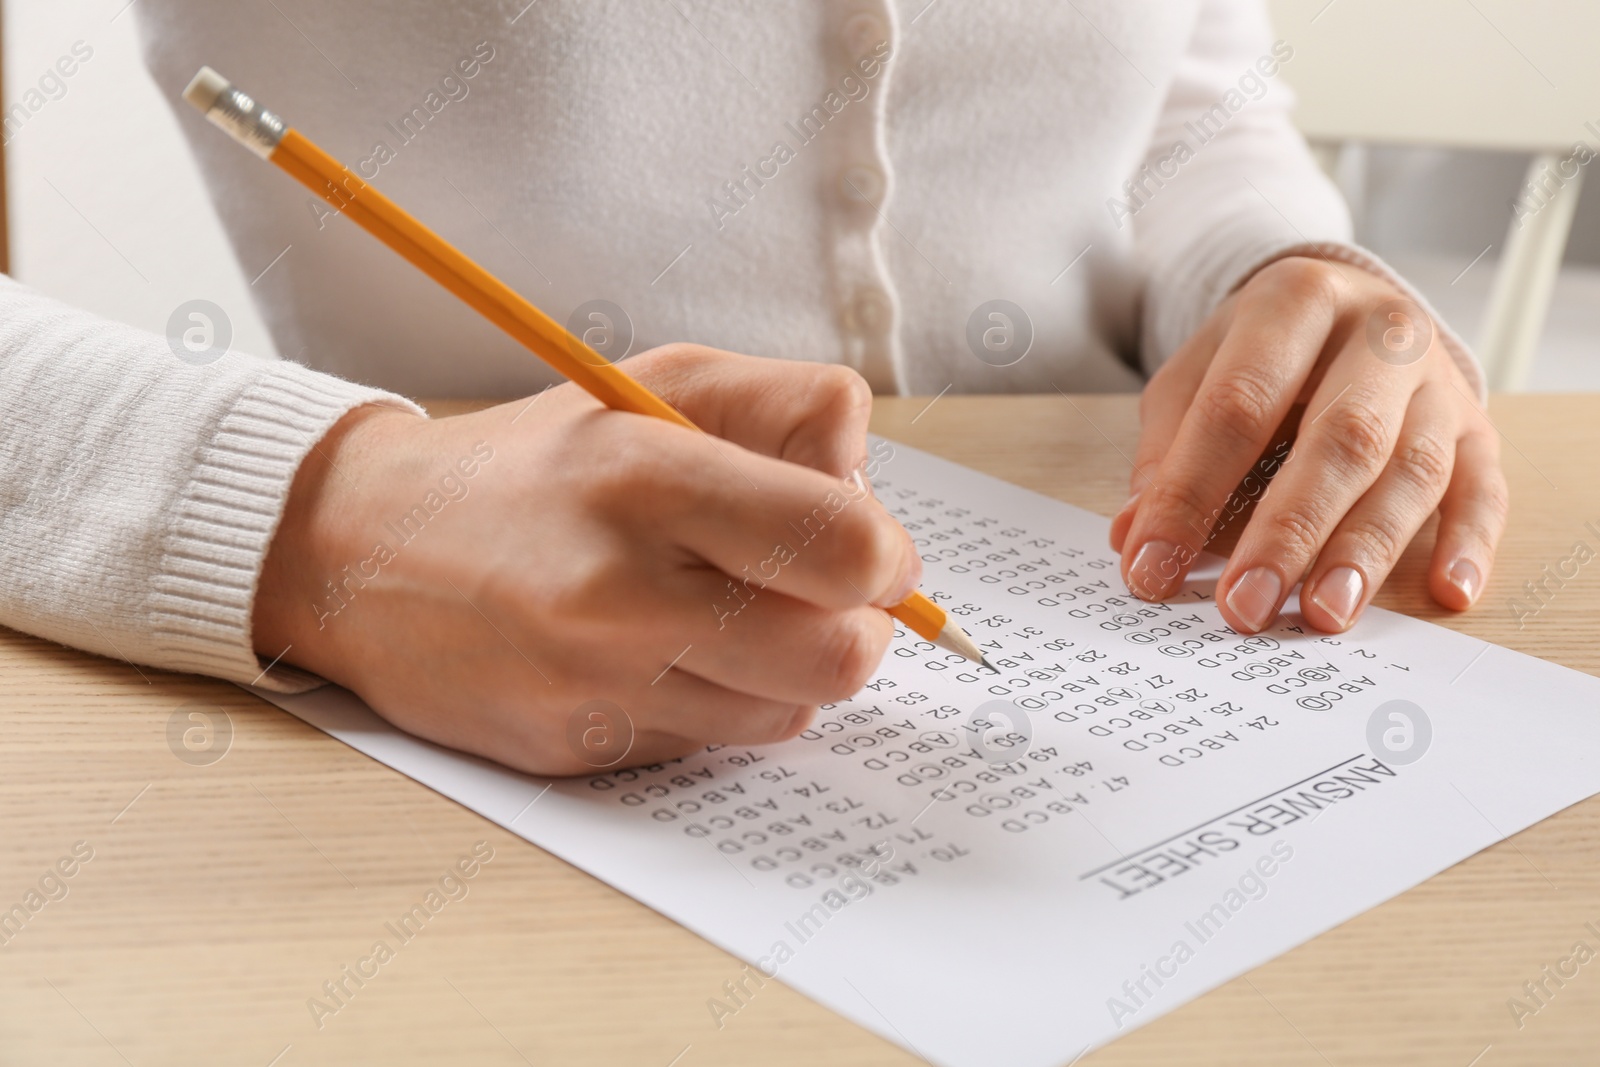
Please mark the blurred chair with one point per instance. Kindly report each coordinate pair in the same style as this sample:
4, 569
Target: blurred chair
1508, 75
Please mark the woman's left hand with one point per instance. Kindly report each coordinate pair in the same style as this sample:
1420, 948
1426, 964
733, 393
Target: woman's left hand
1390, 432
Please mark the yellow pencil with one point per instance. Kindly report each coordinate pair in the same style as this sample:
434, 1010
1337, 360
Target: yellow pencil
269, 137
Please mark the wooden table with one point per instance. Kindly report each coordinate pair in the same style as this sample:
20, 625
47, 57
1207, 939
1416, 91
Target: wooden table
220, 898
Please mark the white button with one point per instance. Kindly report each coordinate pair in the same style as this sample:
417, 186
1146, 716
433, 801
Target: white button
861, 184
869, 312
862, 34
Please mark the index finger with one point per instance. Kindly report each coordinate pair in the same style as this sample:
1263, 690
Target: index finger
1161, 408
1247, 392
759, 520
812, 414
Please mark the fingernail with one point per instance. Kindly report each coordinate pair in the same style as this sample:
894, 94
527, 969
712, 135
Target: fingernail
1131, 501
906, 584
1254, 597
1338, 593
1153, 569
1465, 576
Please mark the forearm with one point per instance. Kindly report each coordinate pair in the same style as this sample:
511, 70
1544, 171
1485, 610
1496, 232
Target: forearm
1228, 183
141, 492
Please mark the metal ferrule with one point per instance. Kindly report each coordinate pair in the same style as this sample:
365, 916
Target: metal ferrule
243, 117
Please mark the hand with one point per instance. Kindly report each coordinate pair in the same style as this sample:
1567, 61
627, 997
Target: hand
1384, 440
492, 574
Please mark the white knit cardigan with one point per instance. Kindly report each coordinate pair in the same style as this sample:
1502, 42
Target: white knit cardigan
1003, 197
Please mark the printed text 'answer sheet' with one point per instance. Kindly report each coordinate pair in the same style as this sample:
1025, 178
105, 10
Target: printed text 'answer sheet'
1010, 868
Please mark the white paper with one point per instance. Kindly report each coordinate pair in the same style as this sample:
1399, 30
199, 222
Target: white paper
980, 912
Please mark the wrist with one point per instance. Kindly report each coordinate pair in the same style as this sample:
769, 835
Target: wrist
322, 528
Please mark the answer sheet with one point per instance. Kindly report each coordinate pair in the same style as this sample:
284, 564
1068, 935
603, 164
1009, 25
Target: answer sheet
1011, 868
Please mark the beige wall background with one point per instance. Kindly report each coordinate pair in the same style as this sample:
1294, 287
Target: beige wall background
107, 209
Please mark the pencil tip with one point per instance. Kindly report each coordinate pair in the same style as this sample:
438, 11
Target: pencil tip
956, 640
985, 661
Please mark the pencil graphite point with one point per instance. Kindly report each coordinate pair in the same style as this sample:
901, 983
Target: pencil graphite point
956, 640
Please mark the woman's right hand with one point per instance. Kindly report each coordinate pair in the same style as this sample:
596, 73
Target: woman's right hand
480, 580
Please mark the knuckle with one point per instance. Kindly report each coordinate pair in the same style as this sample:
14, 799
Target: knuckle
1238, 405
849, 655
775, 724
1375, 540
1358, 435
843, 392
1303, 280
1426, 461
874, 549
634, 470
586, 587
1295, 531
834, 403
1485, 517
675, 357
1495, 499
669, 367
1177, 503
647, 470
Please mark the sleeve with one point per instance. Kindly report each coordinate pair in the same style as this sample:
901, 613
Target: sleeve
139, 490
1229, 185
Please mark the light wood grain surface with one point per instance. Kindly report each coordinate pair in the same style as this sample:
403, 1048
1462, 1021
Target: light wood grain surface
220, 898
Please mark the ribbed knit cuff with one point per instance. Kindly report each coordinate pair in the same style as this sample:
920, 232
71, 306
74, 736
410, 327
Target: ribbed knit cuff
225, 518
